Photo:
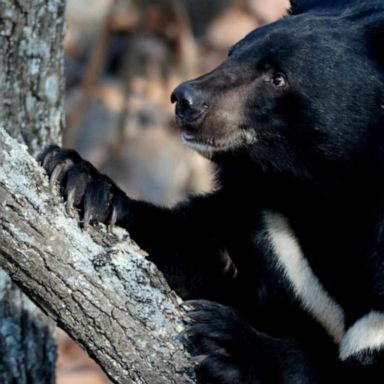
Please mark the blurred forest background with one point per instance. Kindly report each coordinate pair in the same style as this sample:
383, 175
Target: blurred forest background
123, 59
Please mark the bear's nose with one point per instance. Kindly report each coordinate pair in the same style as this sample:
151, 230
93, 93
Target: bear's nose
191, 104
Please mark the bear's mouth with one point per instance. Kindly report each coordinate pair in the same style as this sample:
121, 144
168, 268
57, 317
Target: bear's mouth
194, 135
199, 144
207, 146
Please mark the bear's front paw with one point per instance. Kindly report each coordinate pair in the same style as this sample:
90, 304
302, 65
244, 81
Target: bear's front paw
226, 343
94, 194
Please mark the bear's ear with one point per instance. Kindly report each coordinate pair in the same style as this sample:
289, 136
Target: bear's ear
302, 6
375, 35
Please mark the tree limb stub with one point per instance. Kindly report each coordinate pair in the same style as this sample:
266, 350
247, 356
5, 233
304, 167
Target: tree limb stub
97, 286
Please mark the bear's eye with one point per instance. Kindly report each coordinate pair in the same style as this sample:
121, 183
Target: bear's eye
279, 79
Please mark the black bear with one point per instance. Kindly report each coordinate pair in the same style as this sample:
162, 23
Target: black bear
292, 244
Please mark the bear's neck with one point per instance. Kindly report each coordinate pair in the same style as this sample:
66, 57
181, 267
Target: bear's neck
285, 190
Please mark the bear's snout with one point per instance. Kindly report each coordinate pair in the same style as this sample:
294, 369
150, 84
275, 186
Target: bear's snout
191, 105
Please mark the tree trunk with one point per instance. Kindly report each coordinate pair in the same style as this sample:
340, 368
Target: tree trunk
31, 110
27, 345
96, 285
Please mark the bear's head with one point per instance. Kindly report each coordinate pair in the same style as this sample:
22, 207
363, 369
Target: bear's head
304, 94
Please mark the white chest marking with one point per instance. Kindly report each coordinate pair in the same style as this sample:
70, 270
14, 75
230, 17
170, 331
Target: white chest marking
306, 285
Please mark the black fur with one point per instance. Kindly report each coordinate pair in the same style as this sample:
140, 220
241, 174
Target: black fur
294, 118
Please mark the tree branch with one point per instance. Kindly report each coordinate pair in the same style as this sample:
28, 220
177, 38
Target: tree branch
97, 286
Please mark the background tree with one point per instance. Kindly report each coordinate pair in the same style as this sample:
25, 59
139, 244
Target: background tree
31, 110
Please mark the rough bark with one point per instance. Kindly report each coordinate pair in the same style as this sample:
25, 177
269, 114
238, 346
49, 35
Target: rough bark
31, 89
96, 285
